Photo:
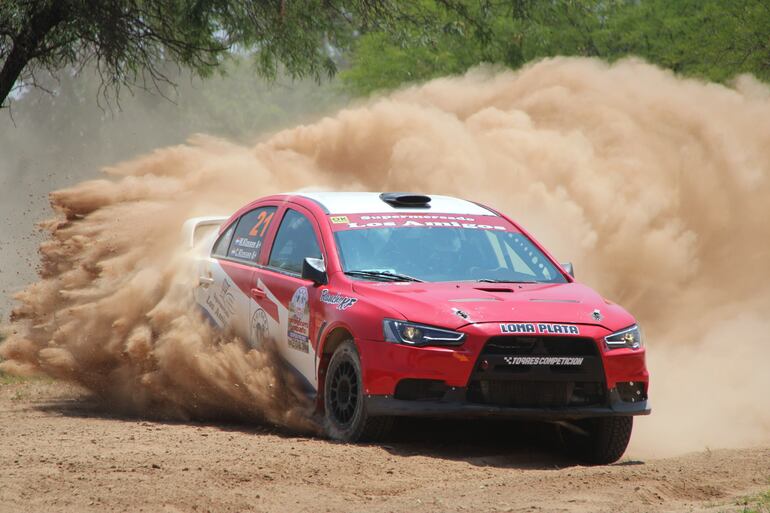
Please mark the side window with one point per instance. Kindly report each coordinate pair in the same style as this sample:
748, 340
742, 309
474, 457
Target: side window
249, 234
294, 242
220, 248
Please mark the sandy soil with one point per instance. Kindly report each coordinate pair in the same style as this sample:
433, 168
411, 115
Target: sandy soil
61, 451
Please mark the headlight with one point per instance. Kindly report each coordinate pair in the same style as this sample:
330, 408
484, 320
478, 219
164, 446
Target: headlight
402, 332
630, 337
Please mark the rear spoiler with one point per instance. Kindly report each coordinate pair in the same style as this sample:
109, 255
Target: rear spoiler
191, 229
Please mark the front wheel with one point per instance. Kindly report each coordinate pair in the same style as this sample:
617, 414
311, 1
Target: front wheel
598, 441
345, 413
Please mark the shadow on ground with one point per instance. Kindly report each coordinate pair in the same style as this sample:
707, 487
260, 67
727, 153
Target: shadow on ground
497, 443
493, 443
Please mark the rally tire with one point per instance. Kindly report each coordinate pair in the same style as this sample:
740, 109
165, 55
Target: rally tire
345, 415
598, 441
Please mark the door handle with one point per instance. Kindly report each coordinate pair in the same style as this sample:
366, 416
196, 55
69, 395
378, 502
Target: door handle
205, 281
258, 293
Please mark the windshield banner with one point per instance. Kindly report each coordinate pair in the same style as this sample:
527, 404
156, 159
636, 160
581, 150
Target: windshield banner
362, 221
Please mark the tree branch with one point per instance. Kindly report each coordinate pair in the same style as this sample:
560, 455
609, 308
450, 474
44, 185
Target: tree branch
26, 43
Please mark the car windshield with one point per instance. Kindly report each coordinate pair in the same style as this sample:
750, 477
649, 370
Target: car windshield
465, 252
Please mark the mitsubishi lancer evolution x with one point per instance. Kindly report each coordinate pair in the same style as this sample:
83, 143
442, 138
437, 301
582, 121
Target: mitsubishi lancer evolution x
400, 304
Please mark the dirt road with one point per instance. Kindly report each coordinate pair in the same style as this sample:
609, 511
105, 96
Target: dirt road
60, 451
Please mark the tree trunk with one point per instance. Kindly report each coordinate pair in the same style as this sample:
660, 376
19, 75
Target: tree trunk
27, 44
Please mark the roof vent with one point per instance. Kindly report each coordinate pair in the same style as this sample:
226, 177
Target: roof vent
405, 199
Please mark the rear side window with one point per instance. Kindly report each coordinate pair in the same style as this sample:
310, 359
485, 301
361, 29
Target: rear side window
249, 234
294, 242
220, 248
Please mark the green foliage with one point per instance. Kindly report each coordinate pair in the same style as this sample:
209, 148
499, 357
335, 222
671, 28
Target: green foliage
11, 379
711, 39
447, 45
755, 504
130, 41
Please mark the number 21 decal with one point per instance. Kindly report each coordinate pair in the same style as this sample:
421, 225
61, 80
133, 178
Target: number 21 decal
263, 221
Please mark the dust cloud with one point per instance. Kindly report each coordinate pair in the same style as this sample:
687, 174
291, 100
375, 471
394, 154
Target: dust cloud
655, 187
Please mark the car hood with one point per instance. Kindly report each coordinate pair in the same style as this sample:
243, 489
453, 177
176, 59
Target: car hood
453, 305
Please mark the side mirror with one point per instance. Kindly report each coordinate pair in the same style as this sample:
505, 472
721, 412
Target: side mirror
569, 268
314, 269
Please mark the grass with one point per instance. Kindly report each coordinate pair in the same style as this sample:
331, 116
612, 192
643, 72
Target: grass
11, 379
755, 503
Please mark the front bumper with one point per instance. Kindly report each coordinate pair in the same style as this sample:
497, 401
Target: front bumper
472, 382
385, 364
454, 404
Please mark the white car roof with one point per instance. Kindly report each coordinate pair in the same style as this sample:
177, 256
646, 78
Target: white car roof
370, 203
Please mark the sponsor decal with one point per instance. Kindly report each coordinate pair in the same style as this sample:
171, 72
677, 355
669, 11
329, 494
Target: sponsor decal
539, 328
298, 333
338, 300
407, 224
415, 216
543, 360
462, 314
353, 222
259, 326
221, 302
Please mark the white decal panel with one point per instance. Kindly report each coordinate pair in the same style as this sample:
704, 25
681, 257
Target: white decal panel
221, 299
366, 202
291, 332
230, 308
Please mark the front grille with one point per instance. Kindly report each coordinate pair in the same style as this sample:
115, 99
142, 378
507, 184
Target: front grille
535, 394
541, 346
504, 377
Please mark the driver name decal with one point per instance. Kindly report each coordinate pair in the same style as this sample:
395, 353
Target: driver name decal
338, 300
539, 328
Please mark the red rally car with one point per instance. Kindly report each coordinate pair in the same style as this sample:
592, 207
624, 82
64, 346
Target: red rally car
399, 304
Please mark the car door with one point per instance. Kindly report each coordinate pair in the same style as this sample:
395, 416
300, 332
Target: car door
225, 284
294, 298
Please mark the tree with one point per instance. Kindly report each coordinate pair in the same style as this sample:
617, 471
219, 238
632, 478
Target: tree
128, 40
711, 39
448, 45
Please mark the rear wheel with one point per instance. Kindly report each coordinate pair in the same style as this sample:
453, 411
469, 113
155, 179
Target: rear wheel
597, 441
346, 418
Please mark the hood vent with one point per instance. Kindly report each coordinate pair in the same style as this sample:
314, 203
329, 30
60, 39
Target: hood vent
493, 289
554, 300
405, 200
474, 299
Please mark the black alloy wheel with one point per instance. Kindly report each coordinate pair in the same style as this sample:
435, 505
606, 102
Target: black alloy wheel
346, 417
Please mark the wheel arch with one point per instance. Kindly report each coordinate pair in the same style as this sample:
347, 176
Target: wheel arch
335, 335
